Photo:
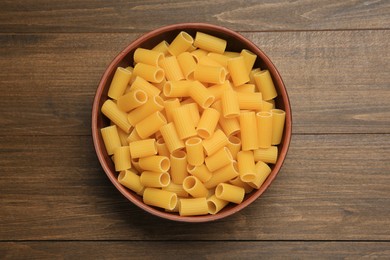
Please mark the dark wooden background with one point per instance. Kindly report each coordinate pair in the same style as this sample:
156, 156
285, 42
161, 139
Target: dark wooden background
331, 199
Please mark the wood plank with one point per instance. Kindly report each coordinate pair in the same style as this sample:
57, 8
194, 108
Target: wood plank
338, 82
331, 187
194, 250
135, 16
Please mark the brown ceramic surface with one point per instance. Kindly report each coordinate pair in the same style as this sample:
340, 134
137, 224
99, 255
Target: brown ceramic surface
236, 42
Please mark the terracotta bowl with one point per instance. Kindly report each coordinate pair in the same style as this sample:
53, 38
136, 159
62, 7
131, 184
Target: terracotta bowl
236, 42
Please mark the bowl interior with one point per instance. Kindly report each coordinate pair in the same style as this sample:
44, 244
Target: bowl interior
236, 42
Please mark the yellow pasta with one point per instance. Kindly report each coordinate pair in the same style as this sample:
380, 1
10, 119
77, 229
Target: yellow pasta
155, 179
252, 101
266, 106
194, 112
230, 106
123, 137
178, 166
239, 183
218, 89
135, 165
224, 174
133, 136
143, 148
172, 69
246, 166
174, 89
111, 110
194, 187
162, 47
231, 54
155, 163
169, 105
160, 198
262, 172
130, 180
237, 70
187, 65
246, 88
209, 43
111, 138
234, 145
149, 72
194, 148
119, 83
171, 137
181, 43
150, 125
131, 100
162, 149
207, 122
212, 144
218, 159
210, 74
249, 59
122, 159
265, 85
215, 205
201, 95
183, 122
207, 61
146, 56
198, 53
221, 59
151, 106
230, 193
278, 121
201, 172
193, 207
251, 75
249, 132
264, 128
176, 188
142, 84
230, 126
267, 155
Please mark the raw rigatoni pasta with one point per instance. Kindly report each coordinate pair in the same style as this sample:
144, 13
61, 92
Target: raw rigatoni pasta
143, 148
265, 84
155, 163
149, 72
278, 120
193, 207
111, 110
264, 128
130, 180
178, 166
181, 43
119, 83
146, 56
215, 205
209, 43
230, 193
160, 198
132, 99
191, 124
111, 138
122, 159
194, 148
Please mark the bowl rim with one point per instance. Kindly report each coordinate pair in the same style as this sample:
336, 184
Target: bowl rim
96, 110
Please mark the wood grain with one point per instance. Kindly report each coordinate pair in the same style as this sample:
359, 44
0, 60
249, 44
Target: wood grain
135, 16
331, 187
329, 91
195, 250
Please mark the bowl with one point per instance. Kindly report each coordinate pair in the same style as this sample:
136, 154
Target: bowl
236, 42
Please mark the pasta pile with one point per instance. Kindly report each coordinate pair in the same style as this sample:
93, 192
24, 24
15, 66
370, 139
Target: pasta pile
194, 127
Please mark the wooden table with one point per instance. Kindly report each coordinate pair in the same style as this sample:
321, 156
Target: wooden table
331, 199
